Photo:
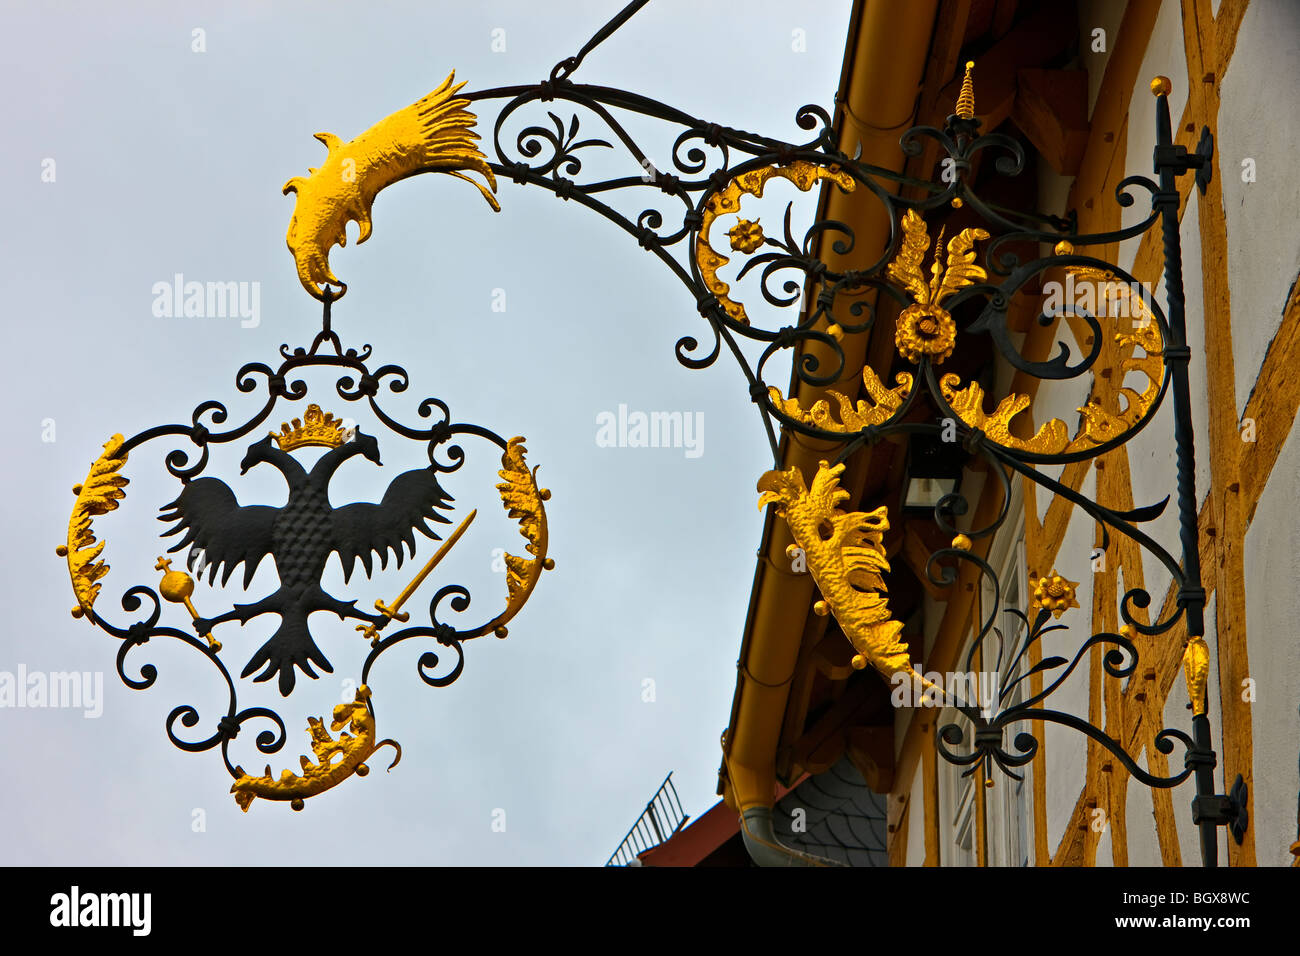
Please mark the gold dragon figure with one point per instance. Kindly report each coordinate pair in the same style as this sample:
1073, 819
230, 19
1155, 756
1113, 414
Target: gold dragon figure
319, 777
845, 552
434, 134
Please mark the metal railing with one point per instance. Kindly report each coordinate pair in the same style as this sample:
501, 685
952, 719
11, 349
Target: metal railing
659, 821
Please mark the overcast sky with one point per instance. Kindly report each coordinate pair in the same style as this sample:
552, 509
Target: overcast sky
166, 160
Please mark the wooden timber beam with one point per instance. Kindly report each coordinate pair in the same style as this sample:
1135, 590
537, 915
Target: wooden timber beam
1051, 109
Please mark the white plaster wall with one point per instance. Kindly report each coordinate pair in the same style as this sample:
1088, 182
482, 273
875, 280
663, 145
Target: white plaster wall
1093, 14
1066, 750
1272, 608
1105, 849
1257, 120
1264, 257
1164, 57
1140, 816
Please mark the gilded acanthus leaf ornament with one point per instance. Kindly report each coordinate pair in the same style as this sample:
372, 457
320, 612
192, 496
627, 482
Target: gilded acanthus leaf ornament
968, 403
434, 134
1102, 293
328, 771
845, 552
884, 403
1138, 330
523, 499
925, 328
97, 495
747, 236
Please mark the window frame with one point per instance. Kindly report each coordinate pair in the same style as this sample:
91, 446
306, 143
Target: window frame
1008, 804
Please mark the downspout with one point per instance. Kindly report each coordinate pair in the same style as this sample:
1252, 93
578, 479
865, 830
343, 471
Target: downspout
884, 70
765, 849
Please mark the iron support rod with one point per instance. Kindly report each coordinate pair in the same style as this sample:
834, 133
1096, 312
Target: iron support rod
1191, 596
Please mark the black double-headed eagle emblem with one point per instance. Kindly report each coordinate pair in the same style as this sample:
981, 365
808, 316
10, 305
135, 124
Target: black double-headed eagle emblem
300, 537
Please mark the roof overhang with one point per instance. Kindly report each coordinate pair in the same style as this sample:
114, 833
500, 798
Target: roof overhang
885, 62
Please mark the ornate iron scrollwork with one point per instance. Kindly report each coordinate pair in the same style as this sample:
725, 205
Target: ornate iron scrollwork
713, 167
299, 538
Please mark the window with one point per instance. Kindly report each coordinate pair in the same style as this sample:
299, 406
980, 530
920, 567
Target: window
1008, 800
960, 818
1008, 803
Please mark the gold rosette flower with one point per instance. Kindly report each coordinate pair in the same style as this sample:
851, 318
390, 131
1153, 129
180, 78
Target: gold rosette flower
1055, 594
925, 330
746, 236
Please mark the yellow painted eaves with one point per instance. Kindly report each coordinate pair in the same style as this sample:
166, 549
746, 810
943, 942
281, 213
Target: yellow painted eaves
884, 66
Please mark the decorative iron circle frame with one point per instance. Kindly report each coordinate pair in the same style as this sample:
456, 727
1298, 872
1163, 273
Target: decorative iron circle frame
356, 382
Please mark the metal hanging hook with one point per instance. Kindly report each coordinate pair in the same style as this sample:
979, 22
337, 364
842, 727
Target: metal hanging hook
565, 67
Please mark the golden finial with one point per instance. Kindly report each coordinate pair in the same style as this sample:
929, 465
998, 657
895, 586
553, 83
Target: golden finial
1196, 672
316, 428
966, 101
1160, 86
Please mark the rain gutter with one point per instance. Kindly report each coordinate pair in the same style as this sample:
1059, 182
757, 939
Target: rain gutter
885, 62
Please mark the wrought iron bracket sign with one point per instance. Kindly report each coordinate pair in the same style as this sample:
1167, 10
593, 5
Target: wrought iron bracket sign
945, 297
222, 534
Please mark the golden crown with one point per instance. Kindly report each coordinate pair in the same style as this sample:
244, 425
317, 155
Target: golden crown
316, 428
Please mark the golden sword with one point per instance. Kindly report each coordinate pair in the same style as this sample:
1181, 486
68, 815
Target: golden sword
395, 612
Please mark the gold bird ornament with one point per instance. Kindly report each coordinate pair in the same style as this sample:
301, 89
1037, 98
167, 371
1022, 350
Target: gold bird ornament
435, 134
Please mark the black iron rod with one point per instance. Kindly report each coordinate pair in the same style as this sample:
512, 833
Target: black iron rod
1191, 596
